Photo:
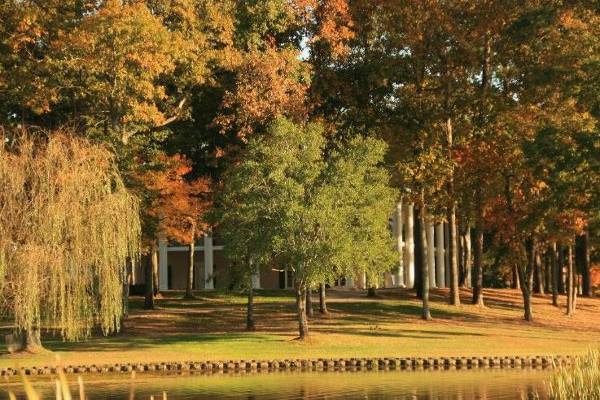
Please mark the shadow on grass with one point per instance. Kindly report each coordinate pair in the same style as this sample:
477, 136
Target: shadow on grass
412, 334
385, 312
123, 342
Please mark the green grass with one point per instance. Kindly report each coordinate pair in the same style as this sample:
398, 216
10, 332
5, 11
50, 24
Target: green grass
212, 327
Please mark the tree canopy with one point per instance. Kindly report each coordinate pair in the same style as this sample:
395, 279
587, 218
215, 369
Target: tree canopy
68, 227
322, 214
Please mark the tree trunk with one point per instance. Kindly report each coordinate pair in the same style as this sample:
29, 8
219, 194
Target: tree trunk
547, 272
554, 266
561, 269
129, 266
516, 279
149, 292
454, 287
250, 307
421, 261
528, 311
322, 299
570, 281
467, 257
301, 311
189, 294
526, 275
585, 265
28, 341
539, 275
576, 291
155, 272
451, 208
460, 251
309, 304
478, 266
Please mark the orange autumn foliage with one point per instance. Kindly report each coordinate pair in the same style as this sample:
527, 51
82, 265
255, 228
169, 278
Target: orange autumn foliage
270, 83
334, 24
179, 204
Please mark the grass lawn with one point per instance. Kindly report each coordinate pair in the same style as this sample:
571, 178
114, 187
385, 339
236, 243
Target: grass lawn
212, 327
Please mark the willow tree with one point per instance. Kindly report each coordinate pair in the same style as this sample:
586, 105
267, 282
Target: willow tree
68, 227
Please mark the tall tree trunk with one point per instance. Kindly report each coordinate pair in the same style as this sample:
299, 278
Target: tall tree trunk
250, 306
155, 271
148, 272
301, 311
561, 269
478, 266
189, 294
547, 272
526, 274
570, 281
468, 257
451, 208
486, 67
539, 275
454, 287
421, 261
129, 266
460, 251
527, 307
576, 290
322, 299
554, 266
516, 278
585, 265
309, 304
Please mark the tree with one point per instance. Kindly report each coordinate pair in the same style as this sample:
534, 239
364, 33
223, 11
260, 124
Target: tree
323, 299
65, 215
178, 205
149, 278
322, 215
117, 69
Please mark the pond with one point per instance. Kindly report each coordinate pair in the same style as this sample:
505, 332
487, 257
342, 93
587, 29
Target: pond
492, 384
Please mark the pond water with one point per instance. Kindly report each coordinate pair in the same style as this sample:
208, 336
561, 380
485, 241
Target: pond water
493, 384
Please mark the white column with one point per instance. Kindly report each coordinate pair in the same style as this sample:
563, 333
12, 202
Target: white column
468, 259
398, 225
256, 280
163, 264
409, 247
447, 252
430, 253
349, 282
208, 262
440, 259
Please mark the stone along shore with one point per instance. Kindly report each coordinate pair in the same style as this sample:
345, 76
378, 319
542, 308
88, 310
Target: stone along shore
321, 364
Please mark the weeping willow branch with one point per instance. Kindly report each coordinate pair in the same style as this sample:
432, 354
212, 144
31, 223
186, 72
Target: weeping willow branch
68, 226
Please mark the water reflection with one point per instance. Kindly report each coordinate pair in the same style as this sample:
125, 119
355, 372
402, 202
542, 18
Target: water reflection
403, 385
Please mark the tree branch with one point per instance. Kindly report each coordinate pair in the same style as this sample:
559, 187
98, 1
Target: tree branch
168, 121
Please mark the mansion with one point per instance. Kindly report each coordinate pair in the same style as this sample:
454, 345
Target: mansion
212, 269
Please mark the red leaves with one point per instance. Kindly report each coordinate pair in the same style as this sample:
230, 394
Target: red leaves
180, 203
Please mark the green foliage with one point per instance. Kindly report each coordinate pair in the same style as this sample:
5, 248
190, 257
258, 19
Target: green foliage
287, 204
